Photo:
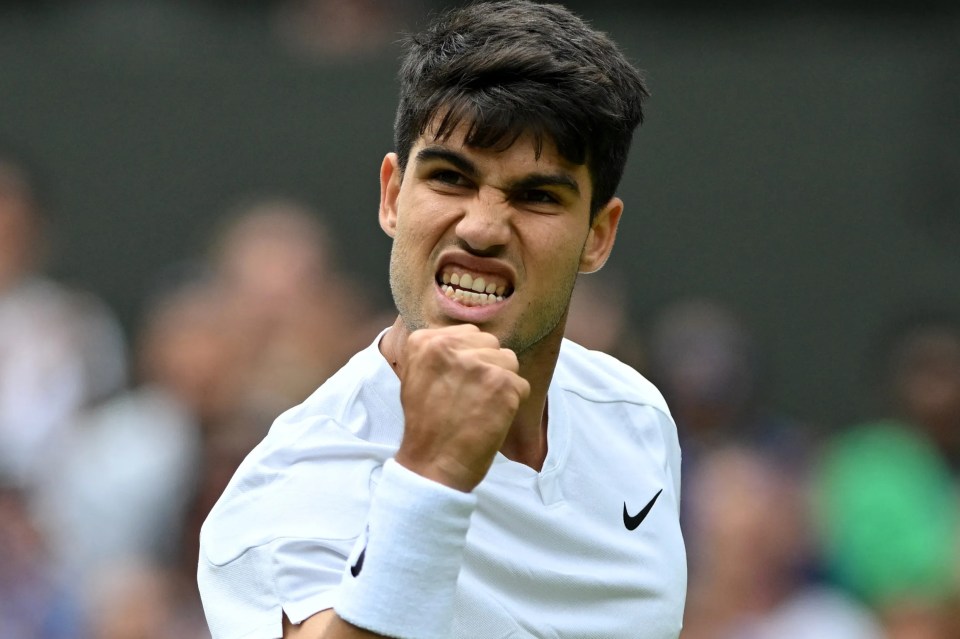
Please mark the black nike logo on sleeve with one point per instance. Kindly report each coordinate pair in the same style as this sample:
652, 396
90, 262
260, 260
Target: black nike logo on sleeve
633, 521
358, 564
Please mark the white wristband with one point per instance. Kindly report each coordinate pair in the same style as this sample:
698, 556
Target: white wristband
401, 578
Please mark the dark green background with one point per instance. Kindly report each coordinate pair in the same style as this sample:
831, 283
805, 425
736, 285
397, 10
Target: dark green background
801, 166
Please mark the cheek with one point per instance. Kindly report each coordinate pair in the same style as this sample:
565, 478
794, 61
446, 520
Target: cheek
422, 222
410, 238
559, 249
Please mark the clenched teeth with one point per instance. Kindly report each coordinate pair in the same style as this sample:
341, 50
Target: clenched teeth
468, 282
471, 290
470, 298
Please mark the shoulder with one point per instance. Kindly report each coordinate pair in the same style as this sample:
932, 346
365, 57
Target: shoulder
362, 398
618, 420
325, 453
601, 378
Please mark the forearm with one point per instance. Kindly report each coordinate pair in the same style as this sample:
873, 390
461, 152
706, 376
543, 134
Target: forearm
325, 625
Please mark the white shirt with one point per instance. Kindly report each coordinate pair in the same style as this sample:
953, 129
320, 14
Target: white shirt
117, 481
59, 350
548, 553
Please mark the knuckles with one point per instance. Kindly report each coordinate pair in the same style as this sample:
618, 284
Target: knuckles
449, 343
460, 392
464, 355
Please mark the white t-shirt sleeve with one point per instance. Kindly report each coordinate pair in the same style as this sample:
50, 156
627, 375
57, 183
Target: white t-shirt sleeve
278, 539
246, 597
672, 444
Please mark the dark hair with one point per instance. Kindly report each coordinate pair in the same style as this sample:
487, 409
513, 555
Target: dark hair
514, 67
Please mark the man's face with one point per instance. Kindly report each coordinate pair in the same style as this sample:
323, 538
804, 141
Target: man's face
491, 238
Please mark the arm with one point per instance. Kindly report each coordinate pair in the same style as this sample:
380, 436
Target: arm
420, 511
325, 625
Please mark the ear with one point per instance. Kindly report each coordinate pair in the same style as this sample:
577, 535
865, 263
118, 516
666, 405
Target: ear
390, 178
603, 230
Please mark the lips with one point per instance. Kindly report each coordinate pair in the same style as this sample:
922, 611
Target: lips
473, 288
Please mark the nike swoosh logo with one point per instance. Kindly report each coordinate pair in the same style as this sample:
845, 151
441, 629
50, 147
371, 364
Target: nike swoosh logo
358, 564
633, 521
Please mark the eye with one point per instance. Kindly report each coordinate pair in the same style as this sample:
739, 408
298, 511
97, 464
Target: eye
449, 177
538, 196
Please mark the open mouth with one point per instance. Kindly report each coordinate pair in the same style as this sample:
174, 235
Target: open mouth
473, 289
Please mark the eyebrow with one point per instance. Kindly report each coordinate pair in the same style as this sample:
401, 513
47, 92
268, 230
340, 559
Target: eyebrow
454, 158
539, 180
528, 182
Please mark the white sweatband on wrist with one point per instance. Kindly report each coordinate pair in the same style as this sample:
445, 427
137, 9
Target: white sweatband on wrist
401, 578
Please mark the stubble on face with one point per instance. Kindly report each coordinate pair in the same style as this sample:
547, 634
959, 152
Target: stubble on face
547, 314
548, 319
402, 289
536, 315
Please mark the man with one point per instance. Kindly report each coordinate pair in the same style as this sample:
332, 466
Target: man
472, 474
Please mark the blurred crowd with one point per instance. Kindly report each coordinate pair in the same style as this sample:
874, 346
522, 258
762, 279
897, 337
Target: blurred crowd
112, 453
113, 449
797, 530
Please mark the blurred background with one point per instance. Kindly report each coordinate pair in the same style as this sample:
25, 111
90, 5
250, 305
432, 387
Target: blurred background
189, 245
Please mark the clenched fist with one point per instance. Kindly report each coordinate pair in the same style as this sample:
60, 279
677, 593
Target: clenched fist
460, 392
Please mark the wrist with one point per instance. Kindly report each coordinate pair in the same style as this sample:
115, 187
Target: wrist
400, 579
442, 470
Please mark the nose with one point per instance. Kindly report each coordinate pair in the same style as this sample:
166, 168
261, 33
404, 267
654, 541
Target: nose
485, 225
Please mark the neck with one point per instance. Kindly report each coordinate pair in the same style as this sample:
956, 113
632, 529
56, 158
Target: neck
526, 443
